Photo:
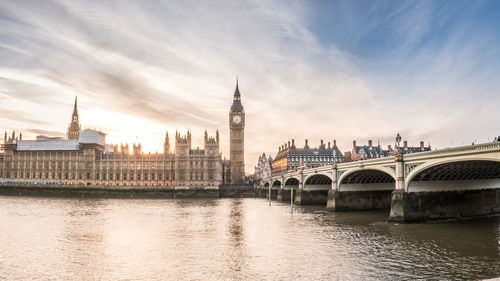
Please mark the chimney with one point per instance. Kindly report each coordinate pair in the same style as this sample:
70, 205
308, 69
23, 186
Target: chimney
289, 144
370, 143
279, 148
293, 143
405, 144
329, 147
321, 142
307, 145
334, 143
421, 144
354, 144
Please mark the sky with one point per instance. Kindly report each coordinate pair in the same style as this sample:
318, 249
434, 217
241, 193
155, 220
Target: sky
343, 70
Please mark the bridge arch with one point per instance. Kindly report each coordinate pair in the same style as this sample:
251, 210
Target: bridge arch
311, 175
455, 174
317, 181
276, 184
291, 182
371, 178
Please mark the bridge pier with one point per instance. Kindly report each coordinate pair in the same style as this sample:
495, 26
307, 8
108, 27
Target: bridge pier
286, 193
439, 205
279, 197
298, 195
274, 194
358, 200
331, 198
398, 197
263, 192
313, 197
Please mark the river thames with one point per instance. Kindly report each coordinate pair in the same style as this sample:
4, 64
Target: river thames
232, 239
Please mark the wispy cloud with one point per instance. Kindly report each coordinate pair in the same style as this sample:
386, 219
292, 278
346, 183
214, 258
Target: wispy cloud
140, 68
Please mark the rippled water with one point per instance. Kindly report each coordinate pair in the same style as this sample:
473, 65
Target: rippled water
232, 239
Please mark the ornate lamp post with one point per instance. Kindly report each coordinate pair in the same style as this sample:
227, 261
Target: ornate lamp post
398, 141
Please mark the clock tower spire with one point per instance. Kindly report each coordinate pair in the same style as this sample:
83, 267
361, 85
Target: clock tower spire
237, 139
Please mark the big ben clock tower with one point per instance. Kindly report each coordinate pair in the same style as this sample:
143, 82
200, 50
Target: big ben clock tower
237, 139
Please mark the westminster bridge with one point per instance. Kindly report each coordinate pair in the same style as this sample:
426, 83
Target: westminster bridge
440, 184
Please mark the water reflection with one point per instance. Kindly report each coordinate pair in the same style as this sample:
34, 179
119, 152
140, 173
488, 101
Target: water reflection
235, 239
236, 265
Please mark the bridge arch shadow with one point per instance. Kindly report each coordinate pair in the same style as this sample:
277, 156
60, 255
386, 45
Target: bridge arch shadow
317, 182
473, 174
365, 189
276, 184
291, 183
366, 180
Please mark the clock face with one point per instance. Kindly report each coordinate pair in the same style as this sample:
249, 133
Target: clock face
236, 119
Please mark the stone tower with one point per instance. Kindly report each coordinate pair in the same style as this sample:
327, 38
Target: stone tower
237, 139
74, 126
166, 145
182, 162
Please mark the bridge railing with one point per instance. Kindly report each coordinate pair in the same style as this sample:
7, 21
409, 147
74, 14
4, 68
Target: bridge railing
486, 147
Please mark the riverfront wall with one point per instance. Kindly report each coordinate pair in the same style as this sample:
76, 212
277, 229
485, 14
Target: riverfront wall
129, 192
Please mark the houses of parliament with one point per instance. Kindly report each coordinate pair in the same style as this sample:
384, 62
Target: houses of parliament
84, 158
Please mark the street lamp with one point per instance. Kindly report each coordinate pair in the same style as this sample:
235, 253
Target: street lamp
398, 141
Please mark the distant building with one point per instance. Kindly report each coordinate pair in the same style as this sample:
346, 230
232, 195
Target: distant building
289, 157
370, 151
263, 168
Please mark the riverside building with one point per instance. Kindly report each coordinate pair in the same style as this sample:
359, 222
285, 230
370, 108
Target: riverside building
371, 151
263, 168
290, 157
84, 158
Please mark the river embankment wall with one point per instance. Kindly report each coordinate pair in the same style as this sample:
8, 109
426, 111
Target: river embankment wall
129, 191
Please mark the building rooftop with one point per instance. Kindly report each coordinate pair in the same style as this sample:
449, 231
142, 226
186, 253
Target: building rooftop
87, 136
323, 150
47, 145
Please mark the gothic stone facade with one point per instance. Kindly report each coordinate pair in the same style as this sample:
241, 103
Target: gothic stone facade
89, 161
263, 168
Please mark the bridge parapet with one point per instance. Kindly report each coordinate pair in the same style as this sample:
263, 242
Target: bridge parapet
462, 150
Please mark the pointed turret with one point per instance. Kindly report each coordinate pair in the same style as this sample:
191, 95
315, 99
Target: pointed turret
166, 145
74, 127
237, 98
237, 90
75, 108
